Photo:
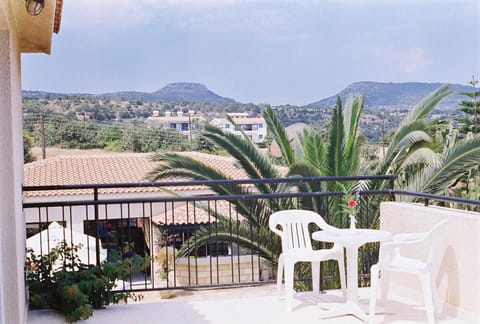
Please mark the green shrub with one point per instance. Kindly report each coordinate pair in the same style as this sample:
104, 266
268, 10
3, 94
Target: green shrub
60, 281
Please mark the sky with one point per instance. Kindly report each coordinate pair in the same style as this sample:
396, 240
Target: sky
276, 52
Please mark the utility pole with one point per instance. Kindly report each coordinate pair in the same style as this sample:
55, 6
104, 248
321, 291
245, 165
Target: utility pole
190, 126
383, 134
42, 136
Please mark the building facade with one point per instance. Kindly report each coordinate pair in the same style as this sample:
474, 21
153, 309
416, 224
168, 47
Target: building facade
19, 33
254, 127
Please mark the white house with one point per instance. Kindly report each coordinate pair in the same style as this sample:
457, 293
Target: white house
183, 123
20, 33
254, 127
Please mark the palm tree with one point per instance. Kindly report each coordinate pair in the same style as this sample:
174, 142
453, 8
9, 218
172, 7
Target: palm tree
256, 212
338, 155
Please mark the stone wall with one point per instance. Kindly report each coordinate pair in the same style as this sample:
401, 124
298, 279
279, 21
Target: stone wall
217, 270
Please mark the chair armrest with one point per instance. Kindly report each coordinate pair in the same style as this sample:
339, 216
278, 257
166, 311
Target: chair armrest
277, 231
409, 237
404, 239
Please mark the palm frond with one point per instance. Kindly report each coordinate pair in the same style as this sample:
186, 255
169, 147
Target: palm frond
456, 162
336, 147
314, 151
426, 105
277, 129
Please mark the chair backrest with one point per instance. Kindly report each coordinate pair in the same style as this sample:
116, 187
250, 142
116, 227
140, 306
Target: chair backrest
432, 237
427, 241
294, 227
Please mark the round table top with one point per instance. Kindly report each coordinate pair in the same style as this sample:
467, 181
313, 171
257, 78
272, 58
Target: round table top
352, 237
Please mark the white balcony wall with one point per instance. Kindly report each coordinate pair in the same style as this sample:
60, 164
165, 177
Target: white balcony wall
457, 261
12, 243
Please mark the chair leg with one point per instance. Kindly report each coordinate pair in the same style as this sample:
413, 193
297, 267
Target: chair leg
280, 269
341, 273
427, 295
289, 266
384, 284
437, 305
316, 277
374, 272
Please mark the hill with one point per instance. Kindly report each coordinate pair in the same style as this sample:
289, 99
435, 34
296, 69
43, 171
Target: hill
174, 92
393, 96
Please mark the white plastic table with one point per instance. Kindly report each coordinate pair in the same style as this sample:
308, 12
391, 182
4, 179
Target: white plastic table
351, 239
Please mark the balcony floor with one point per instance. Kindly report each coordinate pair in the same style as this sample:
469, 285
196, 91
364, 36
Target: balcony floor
258, 304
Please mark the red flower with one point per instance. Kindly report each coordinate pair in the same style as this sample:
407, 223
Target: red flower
352, 203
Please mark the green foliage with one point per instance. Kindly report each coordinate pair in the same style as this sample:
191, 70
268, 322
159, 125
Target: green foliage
59, 280
470, 122
153, 138
27, 147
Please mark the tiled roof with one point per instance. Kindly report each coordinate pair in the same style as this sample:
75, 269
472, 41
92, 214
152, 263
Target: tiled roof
196, 213
109, 168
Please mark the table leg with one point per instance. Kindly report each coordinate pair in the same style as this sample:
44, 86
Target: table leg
352, 274
351, 306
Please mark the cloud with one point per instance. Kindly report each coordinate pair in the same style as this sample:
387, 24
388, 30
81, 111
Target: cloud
407, 60
259, 19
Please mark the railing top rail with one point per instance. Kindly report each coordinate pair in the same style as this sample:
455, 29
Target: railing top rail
250, 196
208, 182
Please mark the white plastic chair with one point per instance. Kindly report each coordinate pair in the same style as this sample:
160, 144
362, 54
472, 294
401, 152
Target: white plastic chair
390, 259
297, 247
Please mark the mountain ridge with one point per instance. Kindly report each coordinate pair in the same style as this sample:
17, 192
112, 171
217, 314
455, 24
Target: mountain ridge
379, 95
394, 95
173, 92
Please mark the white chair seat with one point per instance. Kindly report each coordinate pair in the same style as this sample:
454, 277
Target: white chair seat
403, 264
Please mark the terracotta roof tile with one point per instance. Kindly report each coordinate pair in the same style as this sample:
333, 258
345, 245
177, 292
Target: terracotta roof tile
195, 214
108, 168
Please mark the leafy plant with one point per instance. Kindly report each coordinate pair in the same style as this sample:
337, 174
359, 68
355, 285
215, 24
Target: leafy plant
59, 280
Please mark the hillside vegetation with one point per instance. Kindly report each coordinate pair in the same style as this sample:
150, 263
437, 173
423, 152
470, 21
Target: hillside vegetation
115, 121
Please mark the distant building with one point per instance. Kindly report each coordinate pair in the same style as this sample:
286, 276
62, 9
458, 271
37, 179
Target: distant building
254, 127
184, 123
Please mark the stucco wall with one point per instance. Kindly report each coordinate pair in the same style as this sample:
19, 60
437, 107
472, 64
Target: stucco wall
457, 261
12, 248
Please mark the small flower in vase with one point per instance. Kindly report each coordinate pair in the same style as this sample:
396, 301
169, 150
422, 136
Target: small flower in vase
352, 204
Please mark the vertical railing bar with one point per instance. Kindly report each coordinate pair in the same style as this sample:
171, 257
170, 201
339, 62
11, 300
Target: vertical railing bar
120, 234
195, 245
152, 248
97, 226
238, 243
207, 252
106, 225
216, 238
231, 238
47, 217
144, 243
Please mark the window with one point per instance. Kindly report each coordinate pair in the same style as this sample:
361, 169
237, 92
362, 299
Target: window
227, 125
260, 125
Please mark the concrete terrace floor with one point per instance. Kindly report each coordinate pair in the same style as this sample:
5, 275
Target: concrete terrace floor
247, 305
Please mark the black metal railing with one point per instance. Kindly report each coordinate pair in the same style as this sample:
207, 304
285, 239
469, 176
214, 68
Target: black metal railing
196, 239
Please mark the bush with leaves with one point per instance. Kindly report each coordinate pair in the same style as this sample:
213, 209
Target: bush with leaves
59, 280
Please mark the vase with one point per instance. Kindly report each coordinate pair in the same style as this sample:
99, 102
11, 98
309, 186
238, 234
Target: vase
352, 221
